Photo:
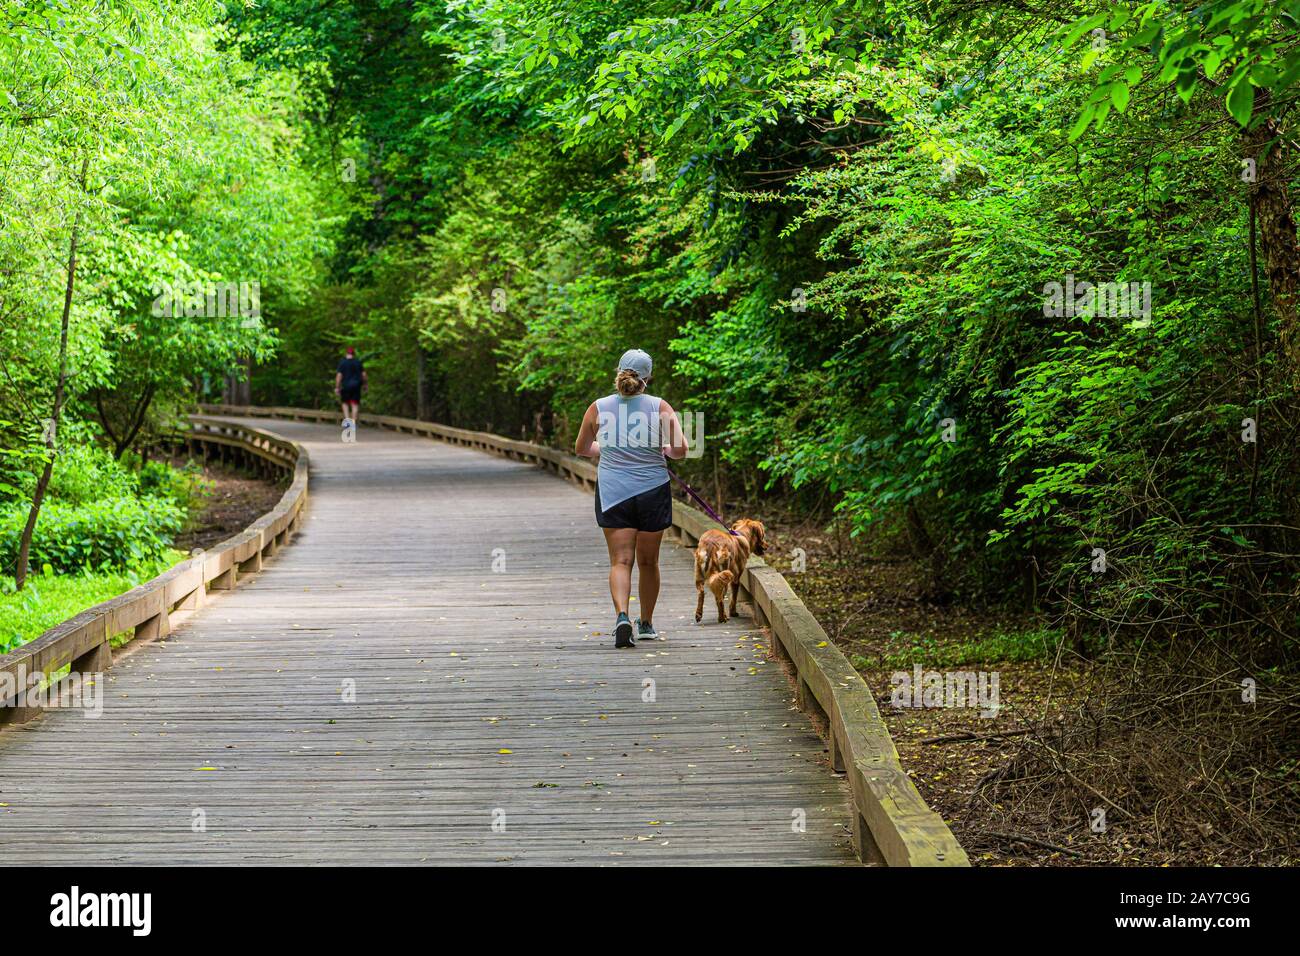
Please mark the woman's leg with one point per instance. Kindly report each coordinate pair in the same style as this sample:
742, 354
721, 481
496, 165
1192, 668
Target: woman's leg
622, 551
647, 562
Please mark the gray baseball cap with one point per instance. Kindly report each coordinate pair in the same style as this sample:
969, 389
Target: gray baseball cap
638, 362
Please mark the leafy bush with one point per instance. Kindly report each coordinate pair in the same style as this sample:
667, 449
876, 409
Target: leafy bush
86, 472
113, 533
48, 599
185, 487
83, 470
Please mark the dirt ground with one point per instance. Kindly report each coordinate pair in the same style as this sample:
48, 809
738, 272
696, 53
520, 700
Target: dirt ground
871, 601
235, 501
871, 606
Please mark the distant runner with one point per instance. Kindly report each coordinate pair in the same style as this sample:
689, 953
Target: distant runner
349, 380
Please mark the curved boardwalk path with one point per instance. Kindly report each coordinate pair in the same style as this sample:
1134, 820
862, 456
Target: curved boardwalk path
236, 725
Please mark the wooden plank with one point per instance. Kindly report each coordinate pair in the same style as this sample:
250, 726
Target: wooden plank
389, 589
82, 642
890, 821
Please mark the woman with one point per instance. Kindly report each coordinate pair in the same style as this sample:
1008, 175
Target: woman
630, 432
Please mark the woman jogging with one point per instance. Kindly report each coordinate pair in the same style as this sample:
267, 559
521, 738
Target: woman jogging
631, 432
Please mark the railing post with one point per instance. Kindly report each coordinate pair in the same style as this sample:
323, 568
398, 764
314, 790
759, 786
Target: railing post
18, 715
157, 626
96, 660
192, 601
803, 696
225, 581
864, 843
836, 755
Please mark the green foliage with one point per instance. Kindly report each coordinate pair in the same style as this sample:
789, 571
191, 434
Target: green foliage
835, 225
995, 647
109, 534
186, 487
150, 169
843, 228
50, 599
1233, 48
85, 472
177, 165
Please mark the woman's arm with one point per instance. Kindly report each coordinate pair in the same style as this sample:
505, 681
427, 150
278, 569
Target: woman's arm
586, 444
670, 432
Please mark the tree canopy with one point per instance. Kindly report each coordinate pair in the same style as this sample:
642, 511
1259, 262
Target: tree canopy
1011, 284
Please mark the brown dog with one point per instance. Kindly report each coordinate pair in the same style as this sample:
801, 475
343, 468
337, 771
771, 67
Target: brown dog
720, 560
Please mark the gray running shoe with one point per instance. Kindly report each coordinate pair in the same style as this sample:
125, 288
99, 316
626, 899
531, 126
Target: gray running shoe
623, 632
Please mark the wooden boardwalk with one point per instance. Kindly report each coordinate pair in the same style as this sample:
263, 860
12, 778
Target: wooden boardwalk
493, 722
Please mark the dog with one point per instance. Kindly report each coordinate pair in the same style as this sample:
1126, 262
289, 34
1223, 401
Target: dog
720, 560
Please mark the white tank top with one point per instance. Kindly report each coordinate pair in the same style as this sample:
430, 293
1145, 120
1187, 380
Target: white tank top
631, 452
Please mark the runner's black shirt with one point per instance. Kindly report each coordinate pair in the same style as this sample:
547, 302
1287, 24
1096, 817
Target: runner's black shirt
350, 369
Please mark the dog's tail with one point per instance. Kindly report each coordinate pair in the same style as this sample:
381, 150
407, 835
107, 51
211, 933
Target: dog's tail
719, 582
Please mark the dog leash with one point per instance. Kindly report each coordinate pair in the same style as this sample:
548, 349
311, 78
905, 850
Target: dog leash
701, 502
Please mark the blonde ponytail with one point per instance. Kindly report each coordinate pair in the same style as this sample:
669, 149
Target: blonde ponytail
629, 383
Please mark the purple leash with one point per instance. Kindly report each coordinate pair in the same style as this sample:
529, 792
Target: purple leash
701, 502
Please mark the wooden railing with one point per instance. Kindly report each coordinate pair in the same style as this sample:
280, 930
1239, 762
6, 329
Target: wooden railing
891, 822
148, 611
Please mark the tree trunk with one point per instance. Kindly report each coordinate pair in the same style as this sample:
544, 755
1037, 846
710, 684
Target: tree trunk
421, 386
123, 441
1271, 204
60, 395
238, 386
138, 419
244, 385
717, 483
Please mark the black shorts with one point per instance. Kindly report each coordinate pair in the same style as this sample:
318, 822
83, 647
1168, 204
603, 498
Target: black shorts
649, 511
350, 394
